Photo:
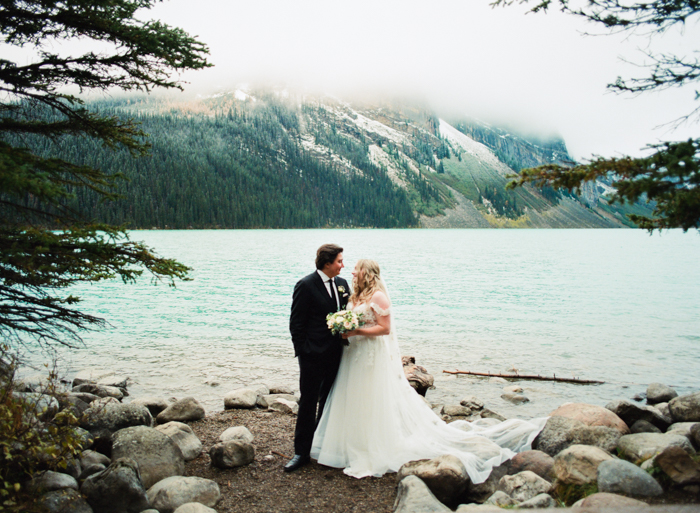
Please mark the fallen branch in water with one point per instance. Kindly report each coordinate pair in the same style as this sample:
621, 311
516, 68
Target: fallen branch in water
526, 376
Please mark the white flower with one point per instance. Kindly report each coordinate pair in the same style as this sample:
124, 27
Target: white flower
347, 325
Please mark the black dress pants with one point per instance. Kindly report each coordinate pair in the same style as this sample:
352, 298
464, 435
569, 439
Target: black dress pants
316, 376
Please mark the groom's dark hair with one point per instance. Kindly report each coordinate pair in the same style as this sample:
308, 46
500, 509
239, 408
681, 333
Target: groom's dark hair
327, 254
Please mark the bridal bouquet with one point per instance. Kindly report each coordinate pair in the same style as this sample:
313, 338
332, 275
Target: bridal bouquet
343, 321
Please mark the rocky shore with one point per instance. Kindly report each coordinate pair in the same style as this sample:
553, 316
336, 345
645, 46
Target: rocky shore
152, 454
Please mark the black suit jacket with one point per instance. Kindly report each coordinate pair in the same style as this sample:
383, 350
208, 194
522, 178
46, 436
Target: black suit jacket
311, 303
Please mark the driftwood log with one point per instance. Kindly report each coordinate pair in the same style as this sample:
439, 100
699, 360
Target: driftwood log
416, 375
528, 376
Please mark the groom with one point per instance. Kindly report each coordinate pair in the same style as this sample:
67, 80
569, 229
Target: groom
315, 296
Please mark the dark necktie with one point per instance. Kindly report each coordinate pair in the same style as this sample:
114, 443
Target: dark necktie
334, 294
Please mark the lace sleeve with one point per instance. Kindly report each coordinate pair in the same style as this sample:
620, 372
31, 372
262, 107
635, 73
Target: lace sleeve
380, 310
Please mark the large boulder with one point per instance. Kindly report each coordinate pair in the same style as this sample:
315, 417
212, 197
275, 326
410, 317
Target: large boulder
685, 408
50, 481
154, 404
234, 453
579, 464
182, 411
620, 476
240, 433
562, 432
100, 390
184, 437
117, 489
682, 428
194, 507
416, 375
642, 446
172, 492
501, 499
88, 458
660, 393
679, 466
523, 486
445, 476
541, 501
64, 501
116, 416
242, 398
604, 501
631, 413
414, 496
156, 454
538, 462
591, 415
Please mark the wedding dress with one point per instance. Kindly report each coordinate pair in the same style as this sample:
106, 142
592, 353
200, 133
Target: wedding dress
374, 422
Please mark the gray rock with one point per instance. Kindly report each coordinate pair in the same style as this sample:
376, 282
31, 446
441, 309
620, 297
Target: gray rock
91, 469
72, 403
184, 437
234, 453
264, 401
64, 501
237, 433
515, 398
541, 501
642, 426
284, 406
682, 428
631, 413
155, 453
660, 393
679, 466
642, 446
620, 476
117, 489
639, 397
501, 499
578, 464
259, 389
100, 390
84, 396
182, 411
154, 404
242, 398
194, 507
116, 416
562, 432
172, 492
490, 414
50, 481
473, 403
445, 476
482, 491
416, 375
695, 435
414, 496
455, 410
83, 437
281, 389
604, 501
685, 408
538, 462
88, 458
663, 408
523, 486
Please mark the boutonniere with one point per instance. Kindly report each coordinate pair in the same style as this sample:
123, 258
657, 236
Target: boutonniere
341, 289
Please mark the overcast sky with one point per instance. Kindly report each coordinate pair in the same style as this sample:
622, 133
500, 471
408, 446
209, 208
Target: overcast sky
537, 71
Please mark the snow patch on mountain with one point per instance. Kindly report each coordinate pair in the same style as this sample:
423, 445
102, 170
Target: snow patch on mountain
482, 153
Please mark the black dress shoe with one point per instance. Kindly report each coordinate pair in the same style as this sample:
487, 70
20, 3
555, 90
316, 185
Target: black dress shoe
296, 462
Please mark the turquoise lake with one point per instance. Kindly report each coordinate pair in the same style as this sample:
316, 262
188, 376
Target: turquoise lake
619, 306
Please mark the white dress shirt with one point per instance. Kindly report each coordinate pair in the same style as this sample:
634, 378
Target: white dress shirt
327, 282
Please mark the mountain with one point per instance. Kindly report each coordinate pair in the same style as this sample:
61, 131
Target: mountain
274, 159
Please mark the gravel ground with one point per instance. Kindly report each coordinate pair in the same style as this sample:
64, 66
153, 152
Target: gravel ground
262, 486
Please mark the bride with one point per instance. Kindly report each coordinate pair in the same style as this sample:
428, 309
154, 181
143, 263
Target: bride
374, 422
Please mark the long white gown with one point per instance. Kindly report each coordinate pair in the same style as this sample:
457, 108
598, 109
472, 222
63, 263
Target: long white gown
374, 422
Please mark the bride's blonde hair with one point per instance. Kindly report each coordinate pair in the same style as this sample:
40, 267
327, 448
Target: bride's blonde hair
366, 282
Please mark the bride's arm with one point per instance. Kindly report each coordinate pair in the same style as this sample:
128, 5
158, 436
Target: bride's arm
383, 326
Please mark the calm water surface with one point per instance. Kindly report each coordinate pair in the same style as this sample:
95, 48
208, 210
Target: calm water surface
614, 305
